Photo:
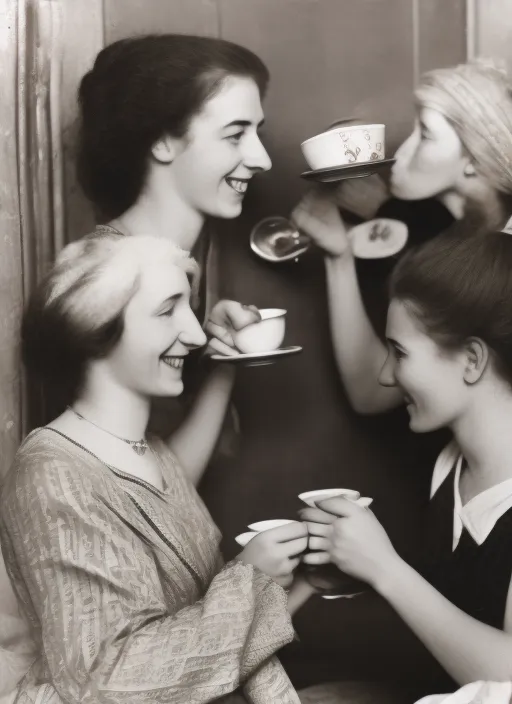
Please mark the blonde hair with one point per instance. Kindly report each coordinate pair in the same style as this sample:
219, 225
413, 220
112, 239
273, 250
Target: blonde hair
96, 277
76, 314
477, 99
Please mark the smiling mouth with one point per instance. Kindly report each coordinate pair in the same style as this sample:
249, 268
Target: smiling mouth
239, 185
174, 362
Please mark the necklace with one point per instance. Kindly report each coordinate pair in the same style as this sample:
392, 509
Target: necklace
138, 446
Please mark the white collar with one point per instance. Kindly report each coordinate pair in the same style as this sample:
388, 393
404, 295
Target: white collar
483, 511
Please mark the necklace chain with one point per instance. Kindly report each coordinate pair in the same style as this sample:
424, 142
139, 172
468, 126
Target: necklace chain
138, 446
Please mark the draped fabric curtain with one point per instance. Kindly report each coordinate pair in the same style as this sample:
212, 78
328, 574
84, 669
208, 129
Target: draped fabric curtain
31, 205
40, 160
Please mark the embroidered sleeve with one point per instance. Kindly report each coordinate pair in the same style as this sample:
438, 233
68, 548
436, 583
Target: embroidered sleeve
95, 589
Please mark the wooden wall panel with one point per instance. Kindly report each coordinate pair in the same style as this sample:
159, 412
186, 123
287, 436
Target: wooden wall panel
493, 29
125, 17
11, 275
441, 33
83, 38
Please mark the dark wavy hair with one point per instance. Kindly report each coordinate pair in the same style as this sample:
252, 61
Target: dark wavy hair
138, 90
459, 285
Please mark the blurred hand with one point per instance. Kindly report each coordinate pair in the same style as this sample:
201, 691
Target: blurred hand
362, 196
319, 218
277, 551
226, 317
349, 536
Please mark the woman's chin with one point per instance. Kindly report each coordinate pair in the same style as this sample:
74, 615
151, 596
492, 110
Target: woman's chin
419, 425
172, 389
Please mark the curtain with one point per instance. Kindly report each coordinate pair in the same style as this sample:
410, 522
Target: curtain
31, 190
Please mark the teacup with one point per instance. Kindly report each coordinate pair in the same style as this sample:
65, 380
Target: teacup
245, 538
311, 498
345, 145
260, 527
264, 336
328, 579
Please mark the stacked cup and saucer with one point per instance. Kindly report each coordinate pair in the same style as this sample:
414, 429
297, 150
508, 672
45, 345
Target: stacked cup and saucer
260, 343
328, 580
343, 151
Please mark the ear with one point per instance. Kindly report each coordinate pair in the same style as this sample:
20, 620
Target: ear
165, 149
477, 357
469, 169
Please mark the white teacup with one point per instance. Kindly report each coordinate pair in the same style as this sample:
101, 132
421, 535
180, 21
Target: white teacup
311, 498
264, 336
341, 146
260, 527
245, 538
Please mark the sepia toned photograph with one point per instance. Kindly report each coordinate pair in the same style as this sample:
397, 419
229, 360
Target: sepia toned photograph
256, 351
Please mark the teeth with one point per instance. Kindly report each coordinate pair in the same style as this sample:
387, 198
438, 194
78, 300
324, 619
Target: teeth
175, 362
237, 185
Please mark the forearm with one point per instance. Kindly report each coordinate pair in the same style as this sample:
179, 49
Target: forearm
468, 649
194, 441
359, 353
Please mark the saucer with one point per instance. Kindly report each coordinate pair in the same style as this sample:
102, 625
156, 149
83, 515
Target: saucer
245, 538
340, 173
311, 497
254, 359
261, 526
378, 238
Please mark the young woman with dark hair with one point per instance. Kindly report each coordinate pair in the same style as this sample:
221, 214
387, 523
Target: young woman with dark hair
169, 138
449, 334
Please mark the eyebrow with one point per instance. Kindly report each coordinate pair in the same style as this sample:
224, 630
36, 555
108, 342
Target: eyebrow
243, 123
394, 343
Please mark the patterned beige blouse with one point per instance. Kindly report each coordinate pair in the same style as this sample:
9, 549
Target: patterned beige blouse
125, 587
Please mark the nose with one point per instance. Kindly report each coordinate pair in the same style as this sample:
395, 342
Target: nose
387, 373
256, 156
192, 334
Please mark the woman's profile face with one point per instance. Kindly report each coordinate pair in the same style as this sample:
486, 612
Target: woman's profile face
430, 161
159, 331
222, 151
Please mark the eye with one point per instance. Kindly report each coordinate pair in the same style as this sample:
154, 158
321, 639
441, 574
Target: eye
399, 354
235, 138
168, 311
425, 134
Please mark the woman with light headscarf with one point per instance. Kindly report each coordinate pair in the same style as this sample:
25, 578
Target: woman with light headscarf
458, 158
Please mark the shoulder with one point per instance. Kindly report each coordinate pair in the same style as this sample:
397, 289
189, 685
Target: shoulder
46, 470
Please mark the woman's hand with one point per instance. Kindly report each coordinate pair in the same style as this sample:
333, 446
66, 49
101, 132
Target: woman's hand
277, 551
351, 537
319, 218
225, 318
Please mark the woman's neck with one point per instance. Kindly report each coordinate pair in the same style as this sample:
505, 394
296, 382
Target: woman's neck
113, 407
485, 439
454, 202
165, 216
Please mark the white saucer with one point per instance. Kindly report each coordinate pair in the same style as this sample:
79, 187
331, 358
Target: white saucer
355, 170
378, 238
255, 359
